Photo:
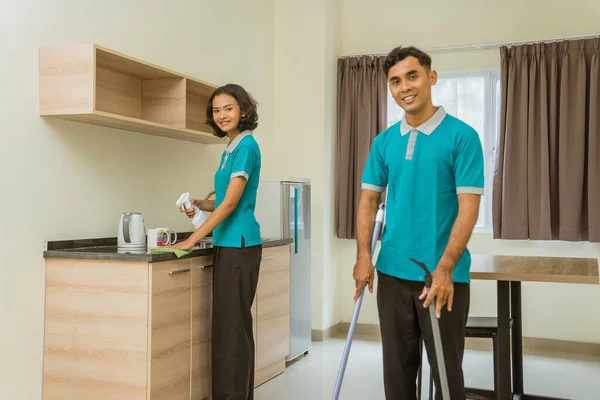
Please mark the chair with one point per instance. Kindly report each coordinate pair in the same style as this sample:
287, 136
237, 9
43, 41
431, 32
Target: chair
485, 327
477, 327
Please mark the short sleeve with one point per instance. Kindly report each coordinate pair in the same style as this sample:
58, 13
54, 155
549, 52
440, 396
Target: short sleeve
244, 162
375, 173
468, 163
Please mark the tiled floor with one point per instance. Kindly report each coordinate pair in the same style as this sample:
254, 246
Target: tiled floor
313, 376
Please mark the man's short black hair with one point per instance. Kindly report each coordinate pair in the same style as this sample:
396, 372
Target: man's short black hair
400, 53
247, 105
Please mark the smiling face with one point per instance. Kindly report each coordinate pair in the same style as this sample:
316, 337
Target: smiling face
410, 85
226, 113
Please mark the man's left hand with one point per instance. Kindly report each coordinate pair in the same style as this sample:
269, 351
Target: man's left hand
442, 289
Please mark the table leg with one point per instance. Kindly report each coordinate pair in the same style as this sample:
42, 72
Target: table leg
517, 337
517, 345
504, 372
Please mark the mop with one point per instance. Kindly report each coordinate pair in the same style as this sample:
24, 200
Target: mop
376, 231
437, 337
434, 322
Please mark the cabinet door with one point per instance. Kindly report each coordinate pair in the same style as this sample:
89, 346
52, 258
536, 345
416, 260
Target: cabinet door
96, 331
201, 327
170, 333
272, 308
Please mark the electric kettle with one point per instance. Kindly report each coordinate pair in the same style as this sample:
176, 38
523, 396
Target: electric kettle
131, 231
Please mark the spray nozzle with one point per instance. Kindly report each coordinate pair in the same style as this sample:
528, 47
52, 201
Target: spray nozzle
199, 217
184, 200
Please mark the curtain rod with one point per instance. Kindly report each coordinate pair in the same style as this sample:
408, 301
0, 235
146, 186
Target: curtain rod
483, 46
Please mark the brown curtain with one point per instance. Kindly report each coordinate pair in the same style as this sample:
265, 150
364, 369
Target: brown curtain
361, 115
547, 171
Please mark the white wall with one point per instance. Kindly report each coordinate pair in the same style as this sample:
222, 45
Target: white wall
331, 258
66, 180
380, 25
549, 310
307, 43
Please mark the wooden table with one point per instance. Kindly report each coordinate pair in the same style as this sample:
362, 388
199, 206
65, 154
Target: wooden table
509, 272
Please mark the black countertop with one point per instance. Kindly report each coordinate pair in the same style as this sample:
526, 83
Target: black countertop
106, 249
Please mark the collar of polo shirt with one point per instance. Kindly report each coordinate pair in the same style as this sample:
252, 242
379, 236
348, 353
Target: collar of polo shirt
427, 127
231, 147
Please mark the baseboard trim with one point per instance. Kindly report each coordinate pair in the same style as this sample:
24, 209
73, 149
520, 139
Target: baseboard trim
334, 331
540, 346
364, 331
531, 345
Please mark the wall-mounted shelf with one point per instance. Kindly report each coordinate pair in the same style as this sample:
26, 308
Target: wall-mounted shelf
95, 85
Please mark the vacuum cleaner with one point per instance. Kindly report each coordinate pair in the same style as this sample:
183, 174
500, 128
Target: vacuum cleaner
434, 321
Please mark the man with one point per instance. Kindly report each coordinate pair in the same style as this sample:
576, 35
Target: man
431, 164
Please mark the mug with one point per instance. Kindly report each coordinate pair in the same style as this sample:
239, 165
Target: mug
160, 237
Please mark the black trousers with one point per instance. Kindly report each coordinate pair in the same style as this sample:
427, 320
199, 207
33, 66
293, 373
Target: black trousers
235, 278
404, 321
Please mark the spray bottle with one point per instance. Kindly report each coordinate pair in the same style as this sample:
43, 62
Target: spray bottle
199, 216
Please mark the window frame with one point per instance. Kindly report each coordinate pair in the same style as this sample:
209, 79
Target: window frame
491, 123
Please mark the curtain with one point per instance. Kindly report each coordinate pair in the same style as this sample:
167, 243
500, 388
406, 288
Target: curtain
361, 115
547, 168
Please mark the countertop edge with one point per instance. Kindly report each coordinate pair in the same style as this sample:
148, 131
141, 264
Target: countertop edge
82, 254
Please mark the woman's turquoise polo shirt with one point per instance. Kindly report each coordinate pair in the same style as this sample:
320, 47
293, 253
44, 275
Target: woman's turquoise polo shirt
241, 158
424, 169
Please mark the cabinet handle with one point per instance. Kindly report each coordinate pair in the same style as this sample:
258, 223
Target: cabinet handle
179, 271
206, 266
268, 257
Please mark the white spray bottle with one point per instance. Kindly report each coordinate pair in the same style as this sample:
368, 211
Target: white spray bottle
199, 216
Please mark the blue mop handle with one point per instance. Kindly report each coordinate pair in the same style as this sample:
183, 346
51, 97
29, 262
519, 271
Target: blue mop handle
374, 238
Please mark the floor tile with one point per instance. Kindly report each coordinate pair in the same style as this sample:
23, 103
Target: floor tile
313, 376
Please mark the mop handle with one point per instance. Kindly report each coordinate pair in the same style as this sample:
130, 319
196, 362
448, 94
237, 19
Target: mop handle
374, 238
437, 337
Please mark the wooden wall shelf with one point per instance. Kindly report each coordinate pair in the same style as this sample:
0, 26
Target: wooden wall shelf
95, 85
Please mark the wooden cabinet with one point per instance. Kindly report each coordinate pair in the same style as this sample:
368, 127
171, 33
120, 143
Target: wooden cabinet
92, 84
273, 314
132, 330
201, 328
96, 330
170, 330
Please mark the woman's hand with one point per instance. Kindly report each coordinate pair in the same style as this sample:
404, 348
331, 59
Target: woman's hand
191, 211
184, 245
203, 205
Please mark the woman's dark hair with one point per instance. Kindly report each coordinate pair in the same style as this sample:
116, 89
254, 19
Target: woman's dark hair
400, 53
249, 120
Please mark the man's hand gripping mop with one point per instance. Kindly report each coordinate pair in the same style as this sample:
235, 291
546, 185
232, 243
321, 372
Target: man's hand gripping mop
434, 322
437, 337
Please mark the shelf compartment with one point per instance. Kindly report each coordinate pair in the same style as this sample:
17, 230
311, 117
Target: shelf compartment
136, 90
197, 96
95, 85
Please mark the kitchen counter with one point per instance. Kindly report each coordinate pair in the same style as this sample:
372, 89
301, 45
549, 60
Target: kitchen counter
140, 324
106, 249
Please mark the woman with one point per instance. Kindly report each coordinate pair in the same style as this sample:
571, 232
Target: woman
237, 243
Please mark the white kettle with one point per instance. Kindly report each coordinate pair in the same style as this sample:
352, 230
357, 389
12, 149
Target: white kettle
131, 231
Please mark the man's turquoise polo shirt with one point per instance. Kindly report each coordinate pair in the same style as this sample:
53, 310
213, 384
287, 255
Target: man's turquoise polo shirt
424, 169
241, 158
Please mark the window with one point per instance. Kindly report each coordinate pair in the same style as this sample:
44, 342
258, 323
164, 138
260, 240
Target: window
474, 97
